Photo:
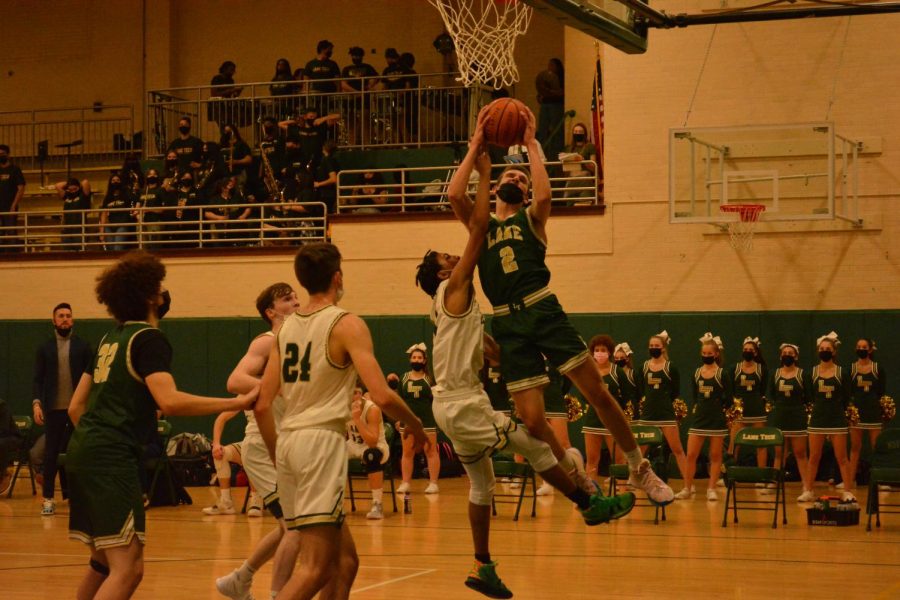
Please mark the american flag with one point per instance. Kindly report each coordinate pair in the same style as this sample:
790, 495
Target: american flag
597, 123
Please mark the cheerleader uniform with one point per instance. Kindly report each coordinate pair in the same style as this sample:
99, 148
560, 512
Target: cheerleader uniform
830, 397
620, 384
866, 390
417, 395
711, 397
750, 389
659, 390
789, 396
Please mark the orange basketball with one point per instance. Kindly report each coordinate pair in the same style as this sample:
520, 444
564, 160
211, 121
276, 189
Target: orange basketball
505, 122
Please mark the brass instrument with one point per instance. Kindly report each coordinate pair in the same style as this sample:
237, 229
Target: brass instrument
203, 175
170, 182
272, 186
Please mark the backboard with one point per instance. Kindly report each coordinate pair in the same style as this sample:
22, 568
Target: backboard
609, 21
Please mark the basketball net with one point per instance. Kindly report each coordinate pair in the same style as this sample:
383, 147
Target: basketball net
484, 34
740, 232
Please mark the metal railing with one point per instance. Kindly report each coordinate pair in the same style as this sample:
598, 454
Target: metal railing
160, 228
415, 189
103, 134
435, 110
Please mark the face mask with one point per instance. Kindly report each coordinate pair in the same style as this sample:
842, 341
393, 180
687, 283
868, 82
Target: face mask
71, 194
310, 122
862, 353
655, 352
3, 159
622, 363
511, 193
748, 355
328, 53
578, 137
601, 357
417, 366
340, 294
153, 179
787, 360
393, 384
708, 360
826, 355
184, 129
186, 185
63, 332
115, 185
163, 308
357, 60
270, 130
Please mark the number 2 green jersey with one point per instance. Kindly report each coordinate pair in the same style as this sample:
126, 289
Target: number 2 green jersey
511, 265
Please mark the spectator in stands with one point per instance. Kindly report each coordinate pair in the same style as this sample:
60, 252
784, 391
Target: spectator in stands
410, 100
579, 154
392, 75
236, 153
220, 110
76, 197
153, 200
322, 68
187, 147
225, 213
212, 169
326, 177
272, 145
58, 366
12, 188
132, 173
282, 85
551, 85
306, 134
358, 76
170, 168
116, 218
370, 194
183, 225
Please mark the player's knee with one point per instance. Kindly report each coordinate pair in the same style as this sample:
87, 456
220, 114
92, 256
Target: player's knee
372, 460
481, 495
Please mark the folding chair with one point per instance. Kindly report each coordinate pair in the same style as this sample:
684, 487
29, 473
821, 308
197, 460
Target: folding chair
356, 470
885, 471
160, 464
735, 476
644, 435
522, 473
26, 428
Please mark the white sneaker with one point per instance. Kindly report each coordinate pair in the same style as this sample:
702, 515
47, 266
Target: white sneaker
848, 497
48, 508
720, 482
684, 494
377, 512
711, 495
655, 488
254, 506
234, 587
545, 490
219, 509
579, 475
839, 486
806, 496
432, 488
403, 487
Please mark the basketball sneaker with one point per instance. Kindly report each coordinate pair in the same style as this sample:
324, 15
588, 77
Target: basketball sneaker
579, 475
483, 578
658, 492
254, 506
604, 509
219, 509
234, 587
376, 513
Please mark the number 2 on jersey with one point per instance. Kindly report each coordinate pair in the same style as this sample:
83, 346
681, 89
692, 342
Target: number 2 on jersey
508, 259
288, 366
105, 356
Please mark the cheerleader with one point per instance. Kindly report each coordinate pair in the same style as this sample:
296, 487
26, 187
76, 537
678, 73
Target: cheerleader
749, 377
867, 385
713, 393
557, 414
659, 388
620, 384
415, 389
789, 391
830, 395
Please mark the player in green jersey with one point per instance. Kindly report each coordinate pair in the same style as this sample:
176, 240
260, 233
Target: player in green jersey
114, 411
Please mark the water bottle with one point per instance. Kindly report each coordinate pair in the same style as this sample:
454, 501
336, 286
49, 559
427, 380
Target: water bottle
407, 503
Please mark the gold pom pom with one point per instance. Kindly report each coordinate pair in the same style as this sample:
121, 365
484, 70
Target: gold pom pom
769, 406
574, 408
681, 409
629, 411
642, 405
735, 412
888, 408
852, 414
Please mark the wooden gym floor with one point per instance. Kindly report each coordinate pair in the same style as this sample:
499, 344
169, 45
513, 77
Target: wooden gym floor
428, 553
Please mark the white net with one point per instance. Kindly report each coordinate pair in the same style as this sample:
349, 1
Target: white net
484, 34
740, 230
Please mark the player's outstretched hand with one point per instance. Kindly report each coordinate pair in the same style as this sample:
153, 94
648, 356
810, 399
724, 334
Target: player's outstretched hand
477, 140
530, 125
415, 429
246, 401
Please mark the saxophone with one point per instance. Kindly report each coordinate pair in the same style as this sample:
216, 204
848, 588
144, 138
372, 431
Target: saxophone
272, 187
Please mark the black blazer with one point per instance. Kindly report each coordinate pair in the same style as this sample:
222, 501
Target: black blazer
45, 368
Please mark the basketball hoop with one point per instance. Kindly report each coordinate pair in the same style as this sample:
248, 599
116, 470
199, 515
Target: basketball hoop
484, 33
741, 231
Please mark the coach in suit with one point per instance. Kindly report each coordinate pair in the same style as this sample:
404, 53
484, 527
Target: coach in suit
58, 367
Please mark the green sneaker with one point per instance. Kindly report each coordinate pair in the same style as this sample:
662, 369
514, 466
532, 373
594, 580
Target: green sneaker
483, 578
604, 509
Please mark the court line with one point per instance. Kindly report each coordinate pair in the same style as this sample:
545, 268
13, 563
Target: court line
390, 581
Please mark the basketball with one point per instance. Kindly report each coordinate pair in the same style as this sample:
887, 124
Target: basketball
505, 122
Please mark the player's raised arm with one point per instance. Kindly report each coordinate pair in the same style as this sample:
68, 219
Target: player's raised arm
268, 390
459, 183
540, 181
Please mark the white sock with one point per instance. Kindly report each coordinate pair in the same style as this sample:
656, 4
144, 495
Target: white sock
225, 496
377, 495
245, 572
634, 458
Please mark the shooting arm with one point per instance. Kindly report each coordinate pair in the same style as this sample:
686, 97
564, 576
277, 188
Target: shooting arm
249, 370
459, 183
540, 181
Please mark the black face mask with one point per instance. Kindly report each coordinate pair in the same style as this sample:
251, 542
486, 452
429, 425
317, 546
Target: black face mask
622, 362
115, 185
826, 355
748, 355
71, 194
862, 353
578, 137
3, 159
270, 131
708, 360
184, 130
393, 384
186, 185
417, 366
511, 193
655, 352
163, 308
170, 164
357, 60
787, 360
328, 54
153, 179
63, 332
310, 122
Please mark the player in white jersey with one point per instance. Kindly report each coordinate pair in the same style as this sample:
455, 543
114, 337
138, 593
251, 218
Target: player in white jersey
274, 304
318, 353
463, 410
367, 443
